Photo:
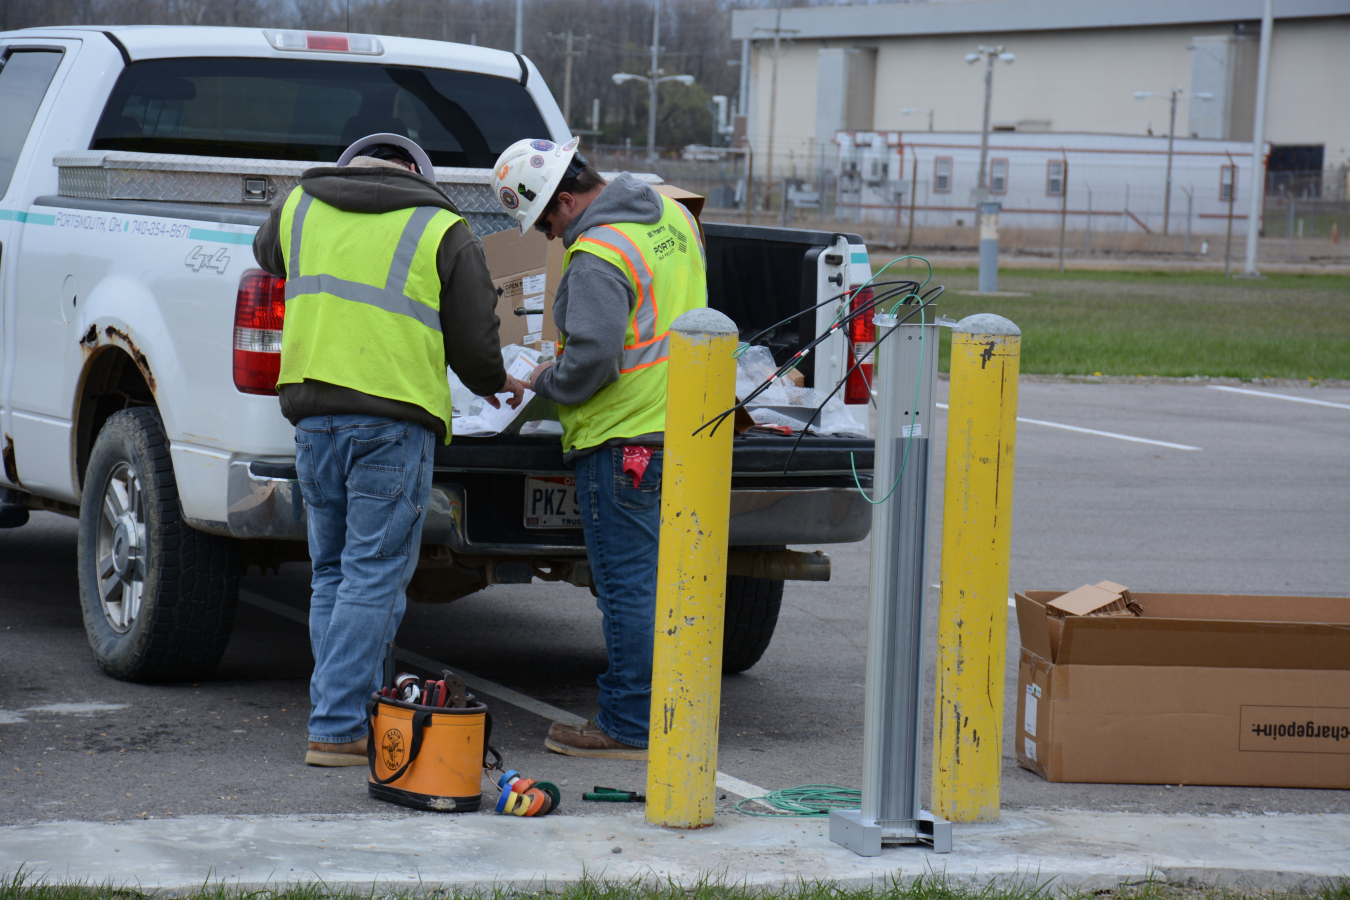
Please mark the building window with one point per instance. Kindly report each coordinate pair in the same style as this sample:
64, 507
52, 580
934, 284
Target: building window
1227, 183
998, 176
1054, 178
942, 175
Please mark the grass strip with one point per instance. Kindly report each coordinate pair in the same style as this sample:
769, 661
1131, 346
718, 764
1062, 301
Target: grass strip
1166, 323
931, 886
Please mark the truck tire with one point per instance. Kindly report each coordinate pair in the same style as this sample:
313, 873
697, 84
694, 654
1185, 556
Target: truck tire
752, 615
158, 596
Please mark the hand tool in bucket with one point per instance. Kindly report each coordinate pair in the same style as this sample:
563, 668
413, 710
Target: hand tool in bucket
429, 747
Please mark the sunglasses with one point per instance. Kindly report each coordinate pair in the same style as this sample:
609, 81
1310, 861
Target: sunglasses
541, 224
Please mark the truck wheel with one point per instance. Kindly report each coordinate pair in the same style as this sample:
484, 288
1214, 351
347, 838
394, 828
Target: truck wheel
752, 615
158, 596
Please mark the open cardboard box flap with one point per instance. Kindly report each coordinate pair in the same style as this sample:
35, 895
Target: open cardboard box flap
1210, 630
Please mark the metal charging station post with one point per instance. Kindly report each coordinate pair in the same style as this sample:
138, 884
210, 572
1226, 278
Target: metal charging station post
892, 727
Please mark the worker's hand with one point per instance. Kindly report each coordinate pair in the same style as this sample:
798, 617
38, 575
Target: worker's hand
534, 376
515, 387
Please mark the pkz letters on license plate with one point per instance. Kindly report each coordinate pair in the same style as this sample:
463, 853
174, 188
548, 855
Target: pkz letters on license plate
551, 502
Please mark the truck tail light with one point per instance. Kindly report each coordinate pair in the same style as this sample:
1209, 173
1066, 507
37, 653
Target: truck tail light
862, 337
259, 310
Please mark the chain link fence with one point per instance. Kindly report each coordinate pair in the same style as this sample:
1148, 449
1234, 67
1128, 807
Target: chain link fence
1102, 212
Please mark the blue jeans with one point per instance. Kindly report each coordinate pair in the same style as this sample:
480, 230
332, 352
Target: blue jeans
366, 481
622, 524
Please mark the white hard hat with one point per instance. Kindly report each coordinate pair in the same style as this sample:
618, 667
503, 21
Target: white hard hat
527, 174
420, 158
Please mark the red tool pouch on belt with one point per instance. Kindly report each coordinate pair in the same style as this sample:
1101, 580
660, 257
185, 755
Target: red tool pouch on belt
428, 757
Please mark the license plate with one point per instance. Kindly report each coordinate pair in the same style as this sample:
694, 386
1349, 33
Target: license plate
551, 502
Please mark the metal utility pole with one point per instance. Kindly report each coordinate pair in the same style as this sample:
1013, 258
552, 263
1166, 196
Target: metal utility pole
569, 54
1167, 192
567, 81
1258, 188
1232, 196
1171, 138
1063, 205
520, 26
987, 210
778, 31
653, 79
988, 54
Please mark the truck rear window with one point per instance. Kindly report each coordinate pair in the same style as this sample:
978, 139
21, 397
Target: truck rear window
312, 110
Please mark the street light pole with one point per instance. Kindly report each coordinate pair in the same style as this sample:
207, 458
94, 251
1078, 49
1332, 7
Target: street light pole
653, 79
1171, 138
981, 182
1258, 186
988, 54
778, 31
987, 211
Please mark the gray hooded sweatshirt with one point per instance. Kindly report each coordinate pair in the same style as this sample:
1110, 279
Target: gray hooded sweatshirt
468, 301
593, 304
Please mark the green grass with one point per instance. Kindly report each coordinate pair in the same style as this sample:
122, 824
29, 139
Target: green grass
927, 887
1163, 323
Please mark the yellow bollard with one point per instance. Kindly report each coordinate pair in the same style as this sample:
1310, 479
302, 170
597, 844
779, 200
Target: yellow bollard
976, 527
692, 572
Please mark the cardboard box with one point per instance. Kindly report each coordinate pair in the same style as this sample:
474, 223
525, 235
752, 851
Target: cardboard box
526, 270
1200, 689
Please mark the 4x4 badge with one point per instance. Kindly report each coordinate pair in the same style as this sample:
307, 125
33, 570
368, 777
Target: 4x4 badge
200, 259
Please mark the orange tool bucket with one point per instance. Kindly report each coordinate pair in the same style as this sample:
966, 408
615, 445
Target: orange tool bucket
427, 757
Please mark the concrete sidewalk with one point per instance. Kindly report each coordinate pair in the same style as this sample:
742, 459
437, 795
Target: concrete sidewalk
1075, 849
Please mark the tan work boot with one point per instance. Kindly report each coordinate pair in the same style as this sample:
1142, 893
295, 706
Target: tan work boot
589, 740
352, 753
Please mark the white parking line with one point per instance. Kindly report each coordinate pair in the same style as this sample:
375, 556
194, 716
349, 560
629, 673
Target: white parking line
1220, 387
496, 691
1110, 434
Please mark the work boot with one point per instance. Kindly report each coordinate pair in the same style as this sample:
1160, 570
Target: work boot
589, 740
352, 753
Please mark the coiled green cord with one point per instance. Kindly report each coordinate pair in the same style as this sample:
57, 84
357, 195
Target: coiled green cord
804, 800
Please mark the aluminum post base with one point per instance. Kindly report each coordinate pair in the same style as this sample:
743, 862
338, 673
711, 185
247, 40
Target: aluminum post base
848, 829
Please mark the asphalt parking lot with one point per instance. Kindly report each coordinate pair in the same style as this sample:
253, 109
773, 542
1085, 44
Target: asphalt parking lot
1261, 507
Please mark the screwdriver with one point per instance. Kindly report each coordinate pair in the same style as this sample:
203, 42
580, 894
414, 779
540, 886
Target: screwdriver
613, 795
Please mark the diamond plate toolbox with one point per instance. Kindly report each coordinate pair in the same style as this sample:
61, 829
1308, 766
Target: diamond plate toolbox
239, 183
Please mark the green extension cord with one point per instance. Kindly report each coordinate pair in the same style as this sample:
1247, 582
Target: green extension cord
814, 800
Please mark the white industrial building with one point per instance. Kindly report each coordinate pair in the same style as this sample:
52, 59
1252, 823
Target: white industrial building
897, 69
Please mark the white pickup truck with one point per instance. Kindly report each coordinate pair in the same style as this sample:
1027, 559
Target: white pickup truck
141, 342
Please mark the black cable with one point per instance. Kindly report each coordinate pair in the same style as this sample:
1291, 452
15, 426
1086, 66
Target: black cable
936, 292
717, 420
803, 312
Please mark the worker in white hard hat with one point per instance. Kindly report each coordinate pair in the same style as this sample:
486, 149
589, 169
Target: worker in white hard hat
634, 262
390, 288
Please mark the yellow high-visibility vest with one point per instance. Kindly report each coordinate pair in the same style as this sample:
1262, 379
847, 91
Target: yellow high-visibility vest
667, 269
363, 300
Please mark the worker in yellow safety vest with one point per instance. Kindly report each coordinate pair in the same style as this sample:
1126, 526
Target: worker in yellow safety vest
385, 285
634, 262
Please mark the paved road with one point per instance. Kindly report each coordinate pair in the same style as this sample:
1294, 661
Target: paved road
1263, 507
